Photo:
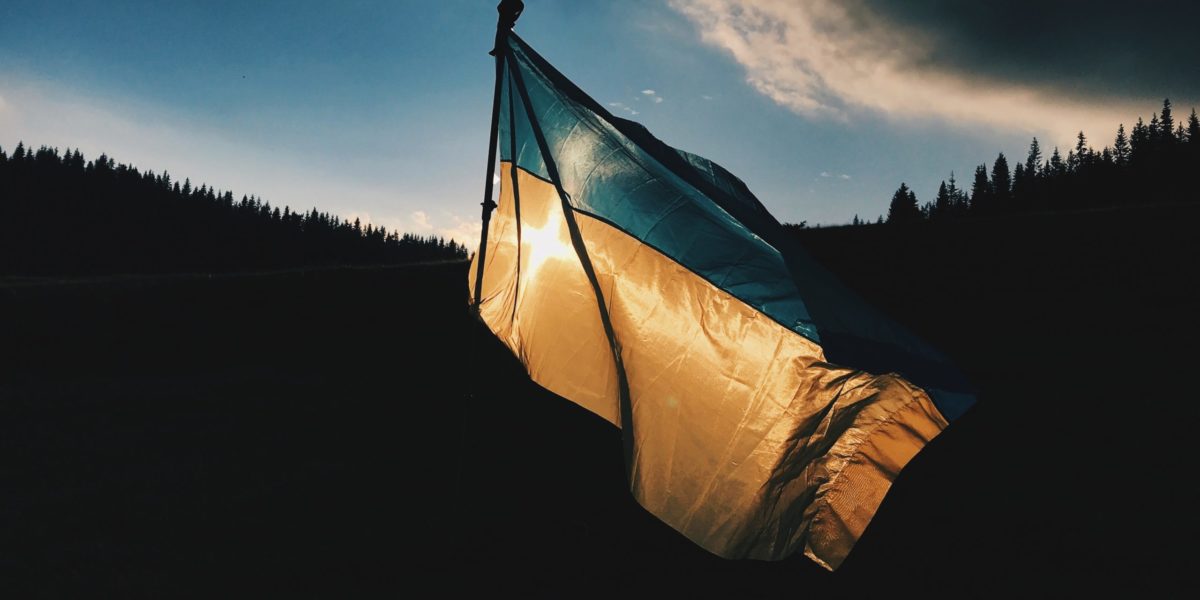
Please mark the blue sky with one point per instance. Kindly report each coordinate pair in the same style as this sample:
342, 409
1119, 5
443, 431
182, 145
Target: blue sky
380, 110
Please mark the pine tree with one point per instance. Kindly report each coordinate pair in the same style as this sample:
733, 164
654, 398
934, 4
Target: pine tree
1034, 159
981, 191
1120, 150
1139, 142
1193, 129
1082, 153
903, 206
1058, 167
942, 204
1001, 185
958, 198
1166, 122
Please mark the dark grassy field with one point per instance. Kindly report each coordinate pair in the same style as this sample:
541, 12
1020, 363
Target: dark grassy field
310, 432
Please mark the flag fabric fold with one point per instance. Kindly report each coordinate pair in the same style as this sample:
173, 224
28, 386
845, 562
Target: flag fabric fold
649, 286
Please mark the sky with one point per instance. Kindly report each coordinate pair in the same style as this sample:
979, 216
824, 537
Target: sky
379, 109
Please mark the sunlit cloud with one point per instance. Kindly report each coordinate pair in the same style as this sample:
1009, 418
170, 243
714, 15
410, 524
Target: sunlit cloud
834, 60
464, 230
448, 225
420, 222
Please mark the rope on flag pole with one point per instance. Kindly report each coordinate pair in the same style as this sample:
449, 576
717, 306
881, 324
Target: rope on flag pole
625, 406
510, 11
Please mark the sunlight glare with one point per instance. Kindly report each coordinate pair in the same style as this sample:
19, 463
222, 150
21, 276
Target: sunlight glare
550, 241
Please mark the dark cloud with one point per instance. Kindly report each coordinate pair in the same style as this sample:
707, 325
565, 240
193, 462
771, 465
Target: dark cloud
1101, 49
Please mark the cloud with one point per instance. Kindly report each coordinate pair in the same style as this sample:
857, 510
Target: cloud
706, 97
653, 96
621, 106
420, 222
826, 59
462, 230
828, 175
448, 225
1104, 47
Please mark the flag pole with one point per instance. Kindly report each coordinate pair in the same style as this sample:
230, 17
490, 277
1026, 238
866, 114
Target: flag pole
509, 11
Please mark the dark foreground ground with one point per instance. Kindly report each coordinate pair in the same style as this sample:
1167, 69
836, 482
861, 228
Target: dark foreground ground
309, 433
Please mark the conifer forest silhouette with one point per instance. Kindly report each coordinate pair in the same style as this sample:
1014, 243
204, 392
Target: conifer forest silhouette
61, 214
1154, 163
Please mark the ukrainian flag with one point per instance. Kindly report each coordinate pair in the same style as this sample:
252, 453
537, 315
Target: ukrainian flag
765, 409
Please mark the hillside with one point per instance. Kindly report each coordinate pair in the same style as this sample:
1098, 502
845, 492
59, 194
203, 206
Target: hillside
61, 214
309, 431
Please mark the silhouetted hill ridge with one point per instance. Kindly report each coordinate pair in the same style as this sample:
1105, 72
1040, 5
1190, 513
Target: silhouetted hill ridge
63, 215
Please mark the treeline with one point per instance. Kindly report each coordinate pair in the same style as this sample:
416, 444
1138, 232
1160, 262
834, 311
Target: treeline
1156, 162
62, 214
